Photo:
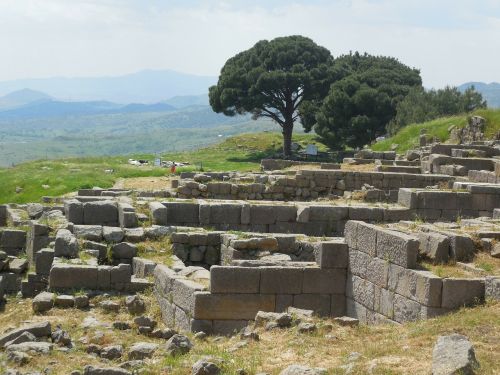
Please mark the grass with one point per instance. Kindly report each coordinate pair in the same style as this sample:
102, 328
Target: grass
383, 349
408, 137
57, 177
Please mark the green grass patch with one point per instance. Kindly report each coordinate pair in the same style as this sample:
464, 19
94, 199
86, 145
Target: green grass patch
408, 137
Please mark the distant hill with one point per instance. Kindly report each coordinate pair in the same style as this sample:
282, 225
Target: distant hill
188, 100
490, 91
147, 86
53, 108
22, 97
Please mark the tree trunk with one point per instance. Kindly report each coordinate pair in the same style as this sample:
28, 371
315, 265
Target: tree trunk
287, 138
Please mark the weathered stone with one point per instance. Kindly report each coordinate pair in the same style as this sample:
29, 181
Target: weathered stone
178, 344
347, 321
43, 302
142, 350
203, 367
454, 354
88, 232
110, 306
100, 213
23, 337
61, 337
303, 370
111, 352
112, 234
64, 301
124, 250
135, 305
66, 244
91, 370
462, 292
31, 347
40, 329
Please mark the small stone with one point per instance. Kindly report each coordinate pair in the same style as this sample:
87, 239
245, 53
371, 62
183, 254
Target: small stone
135, 305
164, 333
454, 354
43, 302
64, 301
302, 370
142, 350
111, 352
19, 358
346, 321
249, 334
110, 306
122, 326
145, 330
306, 327
81, 301
93, 349
178, 344
132, 364
203, 367
61, 337
145, 321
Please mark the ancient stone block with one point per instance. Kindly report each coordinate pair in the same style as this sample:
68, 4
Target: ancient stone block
100, 213
324, 281
281, 280
462, 292
231, 306
234, 279
397, 248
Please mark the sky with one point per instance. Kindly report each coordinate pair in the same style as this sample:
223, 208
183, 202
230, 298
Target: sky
450, 41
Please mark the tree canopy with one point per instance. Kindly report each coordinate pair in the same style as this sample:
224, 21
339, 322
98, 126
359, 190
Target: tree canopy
423, 105
272, 79
359, 105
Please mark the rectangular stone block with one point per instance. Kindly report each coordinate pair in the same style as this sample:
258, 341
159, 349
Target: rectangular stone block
167, 309
356, 310
338, 305
234, 279
319, 303
283, 301
281, 280
351, 234
360, 290
68, 276
225, 214
104, 277
332, 254
100, 213
121, 274
384, 302
228, 327
324, 281
181, 213
367, 238
231, 306
462, 292
397, 248
158, 213
183, 293
73, 210
406, 310
43, 261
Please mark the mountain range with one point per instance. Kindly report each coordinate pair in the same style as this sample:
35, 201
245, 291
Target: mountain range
490, 91
147, 86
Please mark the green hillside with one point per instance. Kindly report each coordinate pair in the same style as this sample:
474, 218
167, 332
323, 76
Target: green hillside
57, 177
408, 137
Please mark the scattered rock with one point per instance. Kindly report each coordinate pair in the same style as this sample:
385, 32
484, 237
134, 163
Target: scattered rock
132, 364
272, 319
203, 367
81, 301
43, 302
91, 370
135, 305
23, 337
19, 358
111, 352
40, 329
307, 327
248, 334
178, 344
200, 335
31, 347
93, 349
302, 370
165, 333
61, 337
145, 321
142, 350
110, 306
453, 354
122, 326
347, 321
64, 301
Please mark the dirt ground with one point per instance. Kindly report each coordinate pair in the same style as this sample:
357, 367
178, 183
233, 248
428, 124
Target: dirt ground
144, 183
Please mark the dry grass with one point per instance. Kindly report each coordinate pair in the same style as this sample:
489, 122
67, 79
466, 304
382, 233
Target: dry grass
159, 251
359, 167
145, 183
389, 349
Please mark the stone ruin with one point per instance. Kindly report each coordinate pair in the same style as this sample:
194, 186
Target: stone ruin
323, 237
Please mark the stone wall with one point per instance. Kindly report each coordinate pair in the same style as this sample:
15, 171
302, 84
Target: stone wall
313, 220
237, 293
100, 212
309, 184
469, 200
383, 286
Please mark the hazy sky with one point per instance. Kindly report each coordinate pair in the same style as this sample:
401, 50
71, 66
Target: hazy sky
451, 41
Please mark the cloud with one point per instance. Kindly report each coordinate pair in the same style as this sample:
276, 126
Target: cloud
450, 41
